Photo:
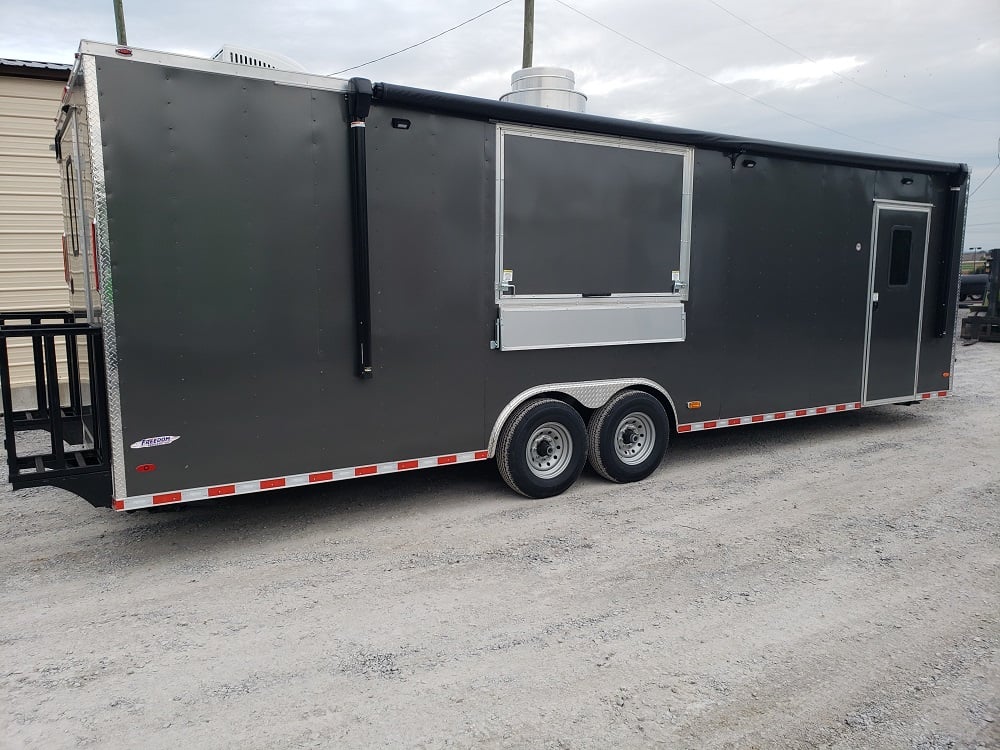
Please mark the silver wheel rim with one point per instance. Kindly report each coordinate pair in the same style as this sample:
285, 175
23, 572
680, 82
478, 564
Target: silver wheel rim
549, 450
635, 437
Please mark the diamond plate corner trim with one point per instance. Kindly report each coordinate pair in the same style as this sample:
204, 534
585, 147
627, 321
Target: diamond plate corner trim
592, 394
107, 282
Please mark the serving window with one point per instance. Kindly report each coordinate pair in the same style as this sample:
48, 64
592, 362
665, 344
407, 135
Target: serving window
600, 223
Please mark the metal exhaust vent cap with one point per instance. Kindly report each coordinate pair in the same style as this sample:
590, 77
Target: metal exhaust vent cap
546, 87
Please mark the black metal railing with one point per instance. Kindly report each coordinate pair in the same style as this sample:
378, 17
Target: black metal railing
78, 454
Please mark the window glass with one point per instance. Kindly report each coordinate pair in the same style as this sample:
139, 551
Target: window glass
899, 256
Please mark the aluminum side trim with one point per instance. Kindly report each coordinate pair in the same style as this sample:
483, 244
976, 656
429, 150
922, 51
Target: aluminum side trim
908, 399
187, 62
775, 416
923, 292
868, 302
812, 411
322, 476
958, 283
91, 95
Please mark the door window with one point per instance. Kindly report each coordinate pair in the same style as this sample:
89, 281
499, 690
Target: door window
899, 256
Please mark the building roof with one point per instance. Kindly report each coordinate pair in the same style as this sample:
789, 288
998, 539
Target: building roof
31, 69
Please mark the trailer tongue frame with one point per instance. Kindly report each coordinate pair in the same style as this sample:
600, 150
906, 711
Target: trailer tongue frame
280, 279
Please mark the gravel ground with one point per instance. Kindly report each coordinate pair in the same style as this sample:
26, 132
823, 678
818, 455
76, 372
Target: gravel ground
826, 582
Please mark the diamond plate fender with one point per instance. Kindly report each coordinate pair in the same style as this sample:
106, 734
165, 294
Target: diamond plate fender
592, 394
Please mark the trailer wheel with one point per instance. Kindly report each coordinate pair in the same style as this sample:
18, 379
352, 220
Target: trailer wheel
628, 437
543, 448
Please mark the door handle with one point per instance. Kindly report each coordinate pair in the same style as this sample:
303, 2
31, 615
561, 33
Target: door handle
874, 301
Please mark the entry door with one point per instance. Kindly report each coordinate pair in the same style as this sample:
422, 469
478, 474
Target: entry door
896, 293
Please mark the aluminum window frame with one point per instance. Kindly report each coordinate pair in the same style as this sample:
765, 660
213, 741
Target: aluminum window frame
687, 200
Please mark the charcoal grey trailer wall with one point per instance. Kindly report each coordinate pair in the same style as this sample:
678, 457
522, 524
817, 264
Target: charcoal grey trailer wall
229, 209
230, 238
780, 262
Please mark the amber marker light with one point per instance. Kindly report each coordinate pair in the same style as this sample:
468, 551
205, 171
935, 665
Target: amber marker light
694, 404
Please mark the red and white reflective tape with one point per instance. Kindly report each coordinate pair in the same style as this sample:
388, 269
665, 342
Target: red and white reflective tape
393, 467
715, 424
294, 480
934, 394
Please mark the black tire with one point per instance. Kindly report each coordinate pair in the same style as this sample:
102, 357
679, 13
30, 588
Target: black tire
641, 422
548, 425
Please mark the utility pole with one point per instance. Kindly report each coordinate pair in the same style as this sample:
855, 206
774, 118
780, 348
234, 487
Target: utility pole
529, 32
120, 23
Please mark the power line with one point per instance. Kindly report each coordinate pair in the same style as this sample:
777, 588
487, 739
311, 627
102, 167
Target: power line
995, 168
726, 86
428, 39
857, 83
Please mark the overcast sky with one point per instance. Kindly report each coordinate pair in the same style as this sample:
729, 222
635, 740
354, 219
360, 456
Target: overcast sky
935, 64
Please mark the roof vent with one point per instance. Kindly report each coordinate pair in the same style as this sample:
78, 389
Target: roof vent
546, 87
256, 58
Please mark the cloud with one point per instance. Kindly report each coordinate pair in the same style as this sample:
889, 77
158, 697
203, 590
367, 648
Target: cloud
595, 83
796, 75
484, 82
989, 48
